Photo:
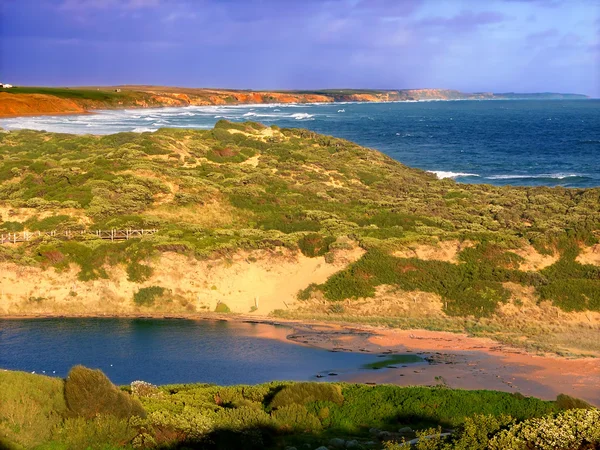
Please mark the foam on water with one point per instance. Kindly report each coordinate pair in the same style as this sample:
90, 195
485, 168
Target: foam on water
556, 176
444, 174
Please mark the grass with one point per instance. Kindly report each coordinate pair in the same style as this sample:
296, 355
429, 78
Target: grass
198, 190
396, 359
269, 416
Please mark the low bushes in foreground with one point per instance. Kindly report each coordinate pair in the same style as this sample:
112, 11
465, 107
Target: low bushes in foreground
87, 411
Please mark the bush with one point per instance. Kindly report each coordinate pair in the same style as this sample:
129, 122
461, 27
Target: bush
190, 421
569, 430
102, 432
31, 406
302, 393
337, 308
314, 244
565, 402
137, 272
307, 293
148, 295
297, 418
222, 308
89, 393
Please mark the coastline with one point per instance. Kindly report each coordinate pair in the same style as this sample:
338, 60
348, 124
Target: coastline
454, 360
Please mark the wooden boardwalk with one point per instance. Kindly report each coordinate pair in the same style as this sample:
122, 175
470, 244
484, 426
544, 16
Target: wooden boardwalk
107, 235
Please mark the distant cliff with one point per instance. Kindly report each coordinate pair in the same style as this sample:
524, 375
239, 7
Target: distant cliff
40, 100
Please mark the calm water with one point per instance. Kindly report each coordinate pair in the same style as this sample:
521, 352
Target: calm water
166, 351
518, 142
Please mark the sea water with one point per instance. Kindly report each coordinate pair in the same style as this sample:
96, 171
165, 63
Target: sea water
517, 142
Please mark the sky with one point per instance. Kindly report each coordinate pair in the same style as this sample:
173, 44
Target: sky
469, 45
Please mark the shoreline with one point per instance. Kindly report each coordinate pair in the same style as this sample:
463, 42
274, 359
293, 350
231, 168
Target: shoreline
454, 360
253, 104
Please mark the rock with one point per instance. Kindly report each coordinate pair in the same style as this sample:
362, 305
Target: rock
337, 443
374, 431
383, 435
290, 448
353, 444
322, 447
405, 430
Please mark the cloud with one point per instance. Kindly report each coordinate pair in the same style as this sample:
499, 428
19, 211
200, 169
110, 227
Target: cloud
88, 5
465, 21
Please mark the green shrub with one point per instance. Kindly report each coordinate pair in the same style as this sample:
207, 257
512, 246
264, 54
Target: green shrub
191, 422
148, 295
101, 432
137, 272
11, 227
297, 418
565, 402
31, 407
314, 244
222, 308
89, 393
568, 430
307, 293
303, 393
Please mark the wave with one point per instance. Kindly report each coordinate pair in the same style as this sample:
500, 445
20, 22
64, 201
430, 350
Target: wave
144, 130
302, 116
446, 174
554, 176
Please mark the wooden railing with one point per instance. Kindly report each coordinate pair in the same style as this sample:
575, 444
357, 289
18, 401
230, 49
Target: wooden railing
107, 235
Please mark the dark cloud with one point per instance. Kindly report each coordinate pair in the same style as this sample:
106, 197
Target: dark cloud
297, 43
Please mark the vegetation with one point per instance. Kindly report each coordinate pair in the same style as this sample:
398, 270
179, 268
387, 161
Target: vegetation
275, 415
89, 393
392, 360
246, 186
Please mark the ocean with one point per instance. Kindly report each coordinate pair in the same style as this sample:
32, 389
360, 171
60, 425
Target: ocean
506, 142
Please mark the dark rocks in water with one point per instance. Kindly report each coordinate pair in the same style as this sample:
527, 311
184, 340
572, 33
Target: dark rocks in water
392, 367
319, 375
371, 383
332, 374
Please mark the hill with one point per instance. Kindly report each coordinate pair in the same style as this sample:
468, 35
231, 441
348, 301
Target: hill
288, 222
46, 100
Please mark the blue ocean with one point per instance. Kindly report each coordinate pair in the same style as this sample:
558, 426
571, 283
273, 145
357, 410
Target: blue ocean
516, 142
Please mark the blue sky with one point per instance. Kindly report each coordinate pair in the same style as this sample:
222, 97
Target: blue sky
470, 45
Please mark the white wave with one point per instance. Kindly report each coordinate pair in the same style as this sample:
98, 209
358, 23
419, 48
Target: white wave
250, 114
445, 174
341, 110
144, 130
302, 116
557, 176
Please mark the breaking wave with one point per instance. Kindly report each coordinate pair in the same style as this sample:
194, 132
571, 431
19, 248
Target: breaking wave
445, 174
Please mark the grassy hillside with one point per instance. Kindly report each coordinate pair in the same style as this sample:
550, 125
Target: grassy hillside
87, 411
245, 186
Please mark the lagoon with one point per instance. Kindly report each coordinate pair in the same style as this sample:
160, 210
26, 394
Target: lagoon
166, 351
